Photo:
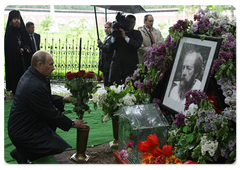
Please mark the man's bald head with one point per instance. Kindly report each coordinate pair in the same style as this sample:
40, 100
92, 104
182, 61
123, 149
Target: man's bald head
39, 56
43, 62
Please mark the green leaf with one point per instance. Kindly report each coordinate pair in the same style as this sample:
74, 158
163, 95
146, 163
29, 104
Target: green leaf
206, 157
185, 129
190, 137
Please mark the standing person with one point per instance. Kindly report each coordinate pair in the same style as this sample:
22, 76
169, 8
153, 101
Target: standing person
150, 36
17, 45
105, 55
191, 76
35, 114
125, 59
35, 37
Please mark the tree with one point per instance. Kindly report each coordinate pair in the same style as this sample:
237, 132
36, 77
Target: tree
47, 23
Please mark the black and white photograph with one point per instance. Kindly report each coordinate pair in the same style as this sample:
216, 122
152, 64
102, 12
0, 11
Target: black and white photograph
190, 70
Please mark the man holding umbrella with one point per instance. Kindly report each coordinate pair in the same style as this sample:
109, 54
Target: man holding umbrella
126, 46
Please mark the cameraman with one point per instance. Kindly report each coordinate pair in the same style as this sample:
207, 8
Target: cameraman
126, 46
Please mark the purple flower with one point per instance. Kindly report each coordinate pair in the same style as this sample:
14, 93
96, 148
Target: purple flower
155, 100
130, 144
127, 80
123, 155
179, 120
195, 27
135, 73
195, 97
216, 65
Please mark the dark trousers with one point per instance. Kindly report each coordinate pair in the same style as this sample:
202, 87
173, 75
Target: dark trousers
106, 78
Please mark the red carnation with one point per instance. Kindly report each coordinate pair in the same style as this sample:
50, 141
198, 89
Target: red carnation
69, 75
90, 74
99, 78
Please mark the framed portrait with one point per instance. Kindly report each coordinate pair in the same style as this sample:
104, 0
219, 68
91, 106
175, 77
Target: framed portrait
190, 70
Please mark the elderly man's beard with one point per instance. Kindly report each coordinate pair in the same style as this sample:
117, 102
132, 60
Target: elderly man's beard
16, 24
185, 86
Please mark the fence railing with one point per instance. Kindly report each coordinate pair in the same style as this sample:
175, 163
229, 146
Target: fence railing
70, 54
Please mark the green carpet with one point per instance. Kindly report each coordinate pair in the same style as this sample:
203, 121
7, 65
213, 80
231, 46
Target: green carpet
100, 133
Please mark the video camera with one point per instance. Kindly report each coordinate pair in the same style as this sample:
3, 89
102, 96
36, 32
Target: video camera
120, 22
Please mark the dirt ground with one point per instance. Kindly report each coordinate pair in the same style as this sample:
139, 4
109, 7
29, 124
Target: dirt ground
100, 154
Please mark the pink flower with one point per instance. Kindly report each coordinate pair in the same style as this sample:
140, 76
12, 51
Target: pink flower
123, 155
130, 144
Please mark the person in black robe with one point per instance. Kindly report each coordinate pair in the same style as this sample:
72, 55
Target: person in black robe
126, 46
18, 50
35, 114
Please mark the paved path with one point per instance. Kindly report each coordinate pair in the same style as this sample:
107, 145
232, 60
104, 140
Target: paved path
60, 89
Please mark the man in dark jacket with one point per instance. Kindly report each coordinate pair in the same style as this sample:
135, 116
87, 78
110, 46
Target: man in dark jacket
35, 114
17, 46
125, 59
35, 37
105, 54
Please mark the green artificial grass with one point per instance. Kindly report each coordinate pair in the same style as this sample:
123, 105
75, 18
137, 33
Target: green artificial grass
99, 133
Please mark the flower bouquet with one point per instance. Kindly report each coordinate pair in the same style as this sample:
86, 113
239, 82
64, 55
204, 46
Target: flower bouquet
154, 155
112, 98
204, 135
82, 87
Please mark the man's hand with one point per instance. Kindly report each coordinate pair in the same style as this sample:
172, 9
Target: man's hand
99, 41
79, 123
66, 98
123, 33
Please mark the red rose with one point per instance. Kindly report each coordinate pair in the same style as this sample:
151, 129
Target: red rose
156, 151
144, 146
75, 75
153, 139
81, 73
167, 150
90, 74
99, 78
69, 75
190, 162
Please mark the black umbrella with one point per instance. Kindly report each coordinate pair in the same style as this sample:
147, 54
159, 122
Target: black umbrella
124, 8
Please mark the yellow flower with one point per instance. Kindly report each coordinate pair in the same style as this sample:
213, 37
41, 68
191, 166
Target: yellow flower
173, 160
147, 158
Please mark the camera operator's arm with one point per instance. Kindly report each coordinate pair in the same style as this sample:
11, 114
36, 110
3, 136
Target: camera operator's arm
127, 39
135, 39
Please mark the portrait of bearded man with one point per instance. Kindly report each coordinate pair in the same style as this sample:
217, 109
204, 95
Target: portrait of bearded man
191, 76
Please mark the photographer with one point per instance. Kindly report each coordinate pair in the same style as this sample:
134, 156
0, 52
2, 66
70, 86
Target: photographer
125, 42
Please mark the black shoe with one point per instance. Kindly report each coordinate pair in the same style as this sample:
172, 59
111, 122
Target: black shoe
18, 157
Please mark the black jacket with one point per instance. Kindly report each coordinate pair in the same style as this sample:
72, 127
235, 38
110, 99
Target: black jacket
105, 55
125, 59
34, 116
